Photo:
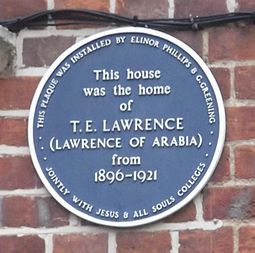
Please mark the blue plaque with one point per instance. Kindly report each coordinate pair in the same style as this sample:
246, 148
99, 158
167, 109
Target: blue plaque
126, 127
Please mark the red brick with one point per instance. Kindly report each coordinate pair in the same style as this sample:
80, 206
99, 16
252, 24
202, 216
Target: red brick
245, 162
151, 242
222, 76
143, 8
22, 244
229, 203
17, 92
194, 40
245, 82
183, 8
240, 123
19, 211
33, 212
187, 213
246, 239
222, 171
246, 5
80, 243
84, 222
102, 5
13, 9
51, 214
13, 132
39, 52
232, 43
200, 241
17, 173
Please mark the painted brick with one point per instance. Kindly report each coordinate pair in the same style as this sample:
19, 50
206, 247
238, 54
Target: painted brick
19, 211
245, 82
246, 239
17, 173
51, 214
246, 5
222, 171
201, 241
240, 123
22, 244
187, 213
232, 43
183, 8
102, 5
40, 52
222, 76
194, 40
97, 243
245, 162
142, 8
229, 203
13, 132
13, 9
17, 92
153, 242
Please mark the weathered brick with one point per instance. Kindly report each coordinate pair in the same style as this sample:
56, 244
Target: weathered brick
183, 8
19, 211
97, 243
240, 123
51, 214
17, 173
245, 162
13, 9
222, 76
194, 40
102, 5
187, 213
7, 56
245, 82
229, 203
143, 8
232, 43
22, 244
222, 171
246, 239
153, 242
39, 52
13, 132
201, 241
17, 92
246, 5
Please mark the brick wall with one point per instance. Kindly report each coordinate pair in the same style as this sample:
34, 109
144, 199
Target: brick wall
220, 219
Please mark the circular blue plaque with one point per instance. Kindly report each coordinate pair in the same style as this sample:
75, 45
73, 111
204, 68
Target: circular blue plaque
126, 127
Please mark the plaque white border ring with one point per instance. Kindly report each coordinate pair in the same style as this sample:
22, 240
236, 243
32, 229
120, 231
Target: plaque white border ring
207, 175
